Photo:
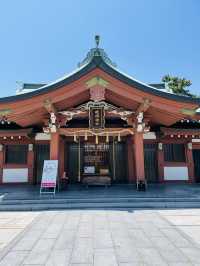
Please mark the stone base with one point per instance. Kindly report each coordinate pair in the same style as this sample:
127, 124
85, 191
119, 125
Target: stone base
141, 185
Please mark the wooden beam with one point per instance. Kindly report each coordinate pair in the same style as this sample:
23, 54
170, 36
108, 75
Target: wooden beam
82, 131
49, 106
143, 106
16, 132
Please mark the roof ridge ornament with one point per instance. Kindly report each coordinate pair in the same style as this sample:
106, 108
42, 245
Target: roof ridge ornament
97, 52
97, 40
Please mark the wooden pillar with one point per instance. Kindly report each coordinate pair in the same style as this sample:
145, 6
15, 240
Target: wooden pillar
139, 157
1, 162
54, 146
130, 156
30, 162
62, 157
54, 149
190, 162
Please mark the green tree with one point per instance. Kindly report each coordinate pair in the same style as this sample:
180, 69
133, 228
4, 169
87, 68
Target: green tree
178, 85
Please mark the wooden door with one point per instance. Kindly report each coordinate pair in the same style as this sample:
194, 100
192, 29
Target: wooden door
119, 164
72, 161
196, 158
42, 152
150, 163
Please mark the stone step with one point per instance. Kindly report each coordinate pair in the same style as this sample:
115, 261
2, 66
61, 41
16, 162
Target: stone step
99, 205
100, 200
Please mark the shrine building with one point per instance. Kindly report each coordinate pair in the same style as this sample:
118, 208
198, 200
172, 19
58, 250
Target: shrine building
101, 125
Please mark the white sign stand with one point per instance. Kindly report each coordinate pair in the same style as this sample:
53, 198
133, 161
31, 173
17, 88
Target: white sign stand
49, 177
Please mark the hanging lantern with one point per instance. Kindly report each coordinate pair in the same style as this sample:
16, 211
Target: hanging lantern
1, 147
179, 136
119, 137
12, 137
75, 137
107, 137
97, 139
160, 146
189, 146
171, 136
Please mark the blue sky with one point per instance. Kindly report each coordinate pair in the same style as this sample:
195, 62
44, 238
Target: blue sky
42, 40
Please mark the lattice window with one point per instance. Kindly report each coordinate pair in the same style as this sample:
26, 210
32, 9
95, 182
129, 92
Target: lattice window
16, 154
174, 152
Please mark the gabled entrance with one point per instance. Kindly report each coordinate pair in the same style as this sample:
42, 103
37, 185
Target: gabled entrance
82, 114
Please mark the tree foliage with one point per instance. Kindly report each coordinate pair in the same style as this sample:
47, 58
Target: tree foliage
178, 85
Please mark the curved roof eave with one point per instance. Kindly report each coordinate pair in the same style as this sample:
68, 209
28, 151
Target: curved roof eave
147, 88
51, 86
98, 62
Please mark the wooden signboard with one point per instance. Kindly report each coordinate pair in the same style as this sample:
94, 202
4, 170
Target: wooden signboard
49, 176
97, 117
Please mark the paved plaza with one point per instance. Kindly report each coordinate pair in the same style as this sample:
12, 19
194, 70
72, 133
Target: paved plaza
100, 238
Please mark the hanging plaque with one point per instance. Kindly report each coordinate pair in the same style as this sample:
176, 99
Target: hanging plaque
96, 117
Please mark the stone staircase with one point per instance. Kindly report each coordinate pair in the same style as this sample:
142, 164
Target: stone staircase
27, 198
51, 203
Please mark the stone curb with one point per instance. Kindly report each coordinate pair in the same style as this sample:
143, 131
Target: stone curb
106, 206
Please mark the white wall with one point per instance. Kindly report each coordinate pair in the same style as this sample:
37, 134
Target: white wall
176, 173
16, 175
149, 135
42, 136
196, 140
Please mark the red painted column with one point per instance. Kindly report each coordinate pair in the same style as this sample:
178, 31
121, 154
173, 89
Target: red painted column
62, 157
139, 157
30, 162
130, 155
54, 149
1, 163
54, 146
190, 162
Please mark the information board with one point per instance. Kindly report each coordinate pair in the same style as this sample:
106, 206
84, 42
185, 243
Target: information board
49, 175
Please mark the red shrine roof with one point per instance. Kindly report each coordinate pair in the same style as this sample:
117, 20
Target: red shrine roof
31, 108
97, 58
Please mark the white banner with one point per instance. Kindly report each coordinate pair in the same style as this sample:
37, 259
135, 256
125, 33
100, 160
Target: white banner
49, 175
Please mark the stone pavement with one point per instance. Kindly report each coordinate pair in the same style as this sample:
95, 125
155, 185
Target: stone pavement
104, 238
12, 223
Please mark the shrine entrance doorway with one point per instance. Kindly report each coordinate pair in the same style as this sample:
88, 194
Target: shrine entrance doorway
96, 159
102, 159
